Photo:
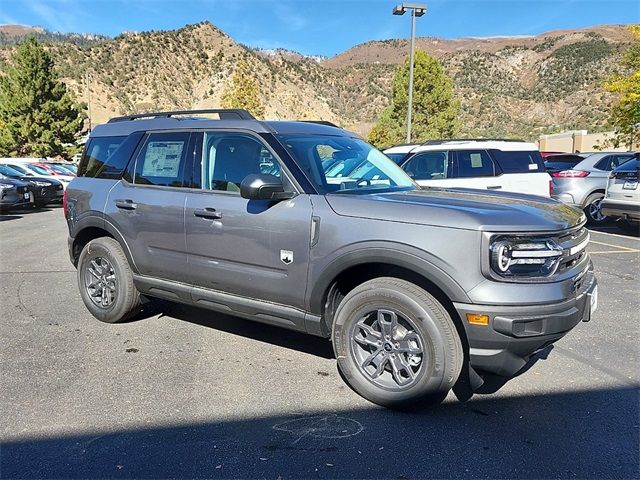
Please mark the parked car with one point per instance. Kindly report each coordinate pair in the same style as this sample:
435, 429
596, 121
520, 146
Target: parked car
56, 172
583, 185
505, 165
418, 289
622, 199
13, 194
60, 169
557, 163
44, 190
32, 170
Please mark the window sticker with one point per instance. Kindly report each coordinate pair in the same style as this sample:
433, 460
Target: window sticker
476, 160
162, 159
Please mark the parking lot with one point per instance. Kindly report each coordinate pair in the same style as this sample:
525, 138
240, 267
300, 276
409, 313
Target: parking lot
191, 393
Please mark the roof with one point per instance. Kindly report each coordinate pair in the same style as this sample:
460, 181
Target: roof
229, 119
504, 145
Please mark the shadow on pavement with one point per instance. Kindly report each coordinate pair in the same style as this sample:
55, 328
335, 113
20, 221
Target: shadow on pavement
6, 217
226, 323
585, 434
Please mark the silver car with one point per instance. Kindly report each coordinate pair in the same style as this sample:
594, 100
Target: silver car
622, 200
584, 185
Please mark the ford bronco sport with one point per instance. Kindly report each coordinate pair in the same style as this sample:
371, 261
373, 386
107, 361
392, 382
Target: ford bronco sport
419, 289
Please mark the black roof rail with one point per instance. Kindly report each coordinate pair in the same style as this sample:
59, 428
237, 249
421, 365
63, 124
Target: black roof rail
320, 122
223, 113
438, 142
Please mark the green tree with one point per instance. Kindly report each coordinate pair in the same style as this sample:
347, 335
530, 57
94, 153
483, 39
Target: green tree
243, 92
625, 113
37, 113
435, 110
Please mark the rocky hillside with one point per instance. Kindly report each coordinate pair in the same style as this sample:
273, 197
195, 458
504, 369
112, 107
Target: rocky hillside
508, 86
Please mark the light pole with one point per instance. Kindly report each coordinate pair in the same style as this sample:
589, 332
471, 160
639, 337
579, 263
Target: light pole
417, 10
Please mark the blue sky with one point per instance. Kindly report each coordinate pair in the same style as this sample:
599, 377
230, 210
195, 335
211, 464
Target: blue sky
323, 27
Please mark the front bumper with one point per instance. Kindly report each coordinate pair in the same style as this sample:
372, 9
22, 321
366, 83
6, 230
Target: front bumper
621, 209
515, 333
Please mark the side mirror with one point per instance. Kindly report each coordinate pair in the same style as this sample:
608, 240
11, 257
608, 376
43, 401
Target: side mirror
263, 187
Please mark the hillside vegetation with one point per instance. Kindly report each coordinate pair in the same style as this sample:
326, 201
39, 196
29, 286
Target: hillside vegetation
514, 87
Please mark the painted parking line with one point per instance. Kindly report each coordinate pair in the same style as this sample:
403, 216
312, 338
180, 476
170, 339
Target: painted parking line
626, 237
628, 249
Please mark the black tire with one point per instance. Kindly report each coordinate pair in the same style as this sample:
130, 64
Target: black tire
125, 297
431, 328
592, 209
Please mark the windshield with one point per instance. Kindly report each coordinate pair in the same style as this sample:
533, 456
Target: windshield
60, 169
20, 169
345, 165
9, 172
40, 170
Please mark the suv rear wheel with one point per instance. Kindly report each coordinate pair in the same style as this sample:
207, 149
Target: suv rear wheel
593, 209
396, 345
105, 280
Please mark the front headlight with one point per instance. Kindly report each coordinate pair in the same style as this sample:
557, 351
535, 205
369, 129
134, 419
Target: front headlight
6, 186
39, 184
524, 257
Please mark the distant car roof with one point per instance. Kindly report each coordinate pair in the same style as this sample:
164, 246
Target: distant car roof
589, 162
504, 145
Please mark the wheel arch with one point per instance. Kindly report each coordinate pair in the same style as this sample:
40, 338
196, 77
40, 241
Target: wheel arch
90, 228
352, 269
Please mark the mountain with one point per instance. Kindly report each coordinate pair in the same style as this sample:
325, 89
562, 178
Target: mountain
508, 86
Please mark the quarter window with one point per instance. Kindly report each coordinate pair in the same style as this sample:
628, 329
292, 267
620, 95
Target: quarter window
229, 158
610, 162
162, 160
475, 163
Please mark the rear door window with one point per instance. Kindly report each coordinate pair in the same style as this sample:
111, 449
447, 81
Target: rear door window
519, 162
474, 163
610, 162
428, 166
162, 160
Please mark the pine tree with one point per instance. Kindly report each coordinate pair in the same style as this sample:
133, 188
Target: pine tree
243, 92
37, 114
625, 113
435, 110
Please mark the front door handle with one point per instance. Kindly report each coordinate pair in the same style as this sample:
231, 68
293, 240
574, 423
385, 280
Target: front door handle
210, 213
494, 187
126, 204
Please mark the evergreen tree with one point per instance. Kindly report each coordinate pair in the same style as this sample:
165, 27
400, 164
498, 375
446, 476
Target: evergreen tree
435, 111
37, 114
243, 92
625, 113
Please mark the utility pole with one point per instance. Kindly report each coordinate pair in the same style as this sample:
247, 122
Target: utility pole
417, 10
86, 79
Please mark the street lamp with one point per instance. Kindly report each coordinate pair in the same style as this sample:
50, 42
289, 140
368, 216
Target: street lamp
417, 10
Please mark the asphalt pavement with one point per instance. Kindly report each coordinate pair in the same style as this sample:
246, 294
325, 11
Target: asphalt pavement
184, 393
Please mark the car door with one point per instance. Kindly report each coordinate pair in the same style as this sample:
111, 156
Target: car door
430, 169
476, 169
252, 248
147, 206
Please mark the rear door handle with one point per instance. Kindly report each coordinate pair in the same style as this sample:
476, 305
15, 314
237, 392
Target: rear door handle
494, 187
210, 213
126, 204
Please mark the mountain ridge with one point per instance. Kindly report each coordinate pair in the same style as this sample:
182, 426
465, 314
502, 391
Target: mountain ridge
508, 86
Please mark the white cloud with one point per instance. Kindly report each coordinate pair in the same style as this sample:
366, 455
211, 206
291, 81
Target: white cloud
59, 15
289, 17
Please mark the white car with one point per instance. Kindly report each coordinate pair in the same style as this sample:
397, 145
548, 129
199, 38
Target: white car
502, 165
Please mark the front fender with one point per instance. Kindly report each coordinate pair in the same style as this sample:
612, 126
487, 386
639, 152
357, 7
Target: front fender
408, 257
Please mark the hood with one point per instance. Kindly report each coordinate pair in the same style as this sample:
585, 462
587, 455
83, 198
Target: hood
13, 181
460, 208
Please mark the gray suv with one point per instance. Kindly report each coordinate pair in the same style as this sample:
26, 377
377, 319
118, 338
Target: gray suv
420, 290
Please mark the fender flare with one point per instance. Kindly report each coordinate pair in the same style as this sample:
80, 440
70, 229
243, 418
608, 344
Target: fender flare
410, 260
95, 221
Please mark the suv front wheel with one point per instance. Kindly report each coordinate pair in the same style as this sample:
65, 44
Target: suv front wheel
396, 345
105, 280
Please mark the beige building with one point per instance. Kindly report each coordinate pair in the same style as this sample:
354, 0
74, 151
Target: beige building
575, 141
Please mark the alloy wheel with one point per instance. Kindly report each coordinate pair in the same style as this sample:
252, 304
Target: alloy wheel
387, 349
101, 282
